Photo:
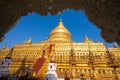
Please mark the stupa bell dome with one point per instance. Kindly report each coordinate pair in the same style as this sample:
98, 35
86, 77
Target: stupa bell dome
60, 33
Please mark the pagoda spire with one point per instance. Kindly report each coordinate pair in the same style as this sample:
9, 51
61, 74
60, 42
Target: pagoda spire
9, 46
60, 19
115, 45
87, 40
98, 41
86, 37
4, 47
53, 59
52, 66
30, 40
10, 54
60, 33
5, 64
91, 40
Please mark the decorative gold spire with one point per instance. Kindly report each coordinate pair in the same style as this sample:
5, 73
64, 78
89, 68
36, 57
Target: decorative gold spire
91, 40
115, 45
53, 58
4, 47
105, 44
29, 41
86, 37
10, 54
87, 40
8, 46
60, 33
98, 41
60, 19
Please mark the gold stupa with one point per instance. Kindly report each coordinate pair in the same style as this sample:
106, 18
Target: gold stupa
87, 59
60, 33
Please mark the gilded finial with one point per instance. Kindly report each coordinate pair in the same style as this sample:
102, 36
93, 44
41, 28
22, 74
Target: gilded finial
91, 40
9, 46
30, 40
60, 19
10, 54
115, 45
60, 30
105, 44
53, 58
86, 37
86, 40
4, 46
98, 41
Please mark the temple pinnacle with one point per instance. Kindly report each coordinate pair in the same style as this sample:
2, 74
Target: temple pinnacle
60, 19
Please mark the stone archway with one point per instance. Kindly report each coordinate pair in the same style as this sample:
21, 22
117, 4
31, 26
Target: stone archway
103, 13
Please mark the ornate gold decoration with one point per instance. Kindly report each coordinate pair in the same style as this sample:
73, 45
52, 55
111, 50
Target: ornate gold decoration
69, 59
60, 33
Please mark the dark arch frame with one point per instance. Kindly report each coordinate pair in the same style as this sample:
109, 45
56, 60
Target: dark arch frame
104, 14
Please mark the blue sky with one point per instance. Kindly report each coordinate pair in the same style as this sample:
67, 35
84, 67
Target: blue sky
38, 27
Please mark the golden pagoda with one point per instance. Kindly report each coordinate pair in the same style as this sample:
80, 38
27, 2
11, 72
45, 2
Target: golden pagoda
75, 60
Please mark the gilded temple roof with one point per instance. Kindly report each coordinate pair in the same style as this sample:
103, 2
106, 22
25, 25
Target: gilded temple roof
60, 33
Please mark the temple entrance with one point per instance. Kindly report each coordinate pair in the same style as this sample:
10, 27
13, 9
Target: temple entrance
67, 78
